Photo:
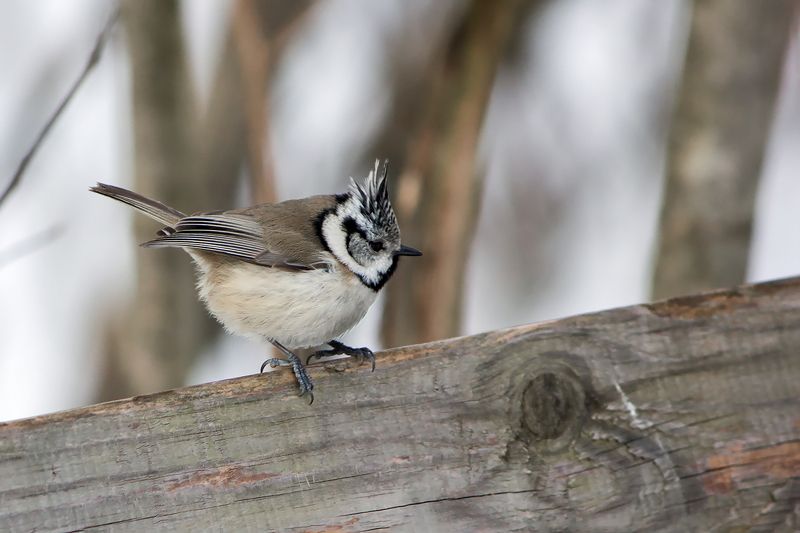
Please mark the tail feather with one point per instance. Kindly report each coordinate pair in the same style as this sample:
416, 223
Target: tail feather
152, 208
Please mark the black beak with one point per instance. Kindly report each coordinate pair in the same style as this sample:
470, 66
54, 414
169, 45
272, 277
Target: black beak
407, 250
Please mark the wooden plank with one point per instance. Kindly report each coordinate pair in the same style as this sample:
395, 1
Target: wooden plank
678, 416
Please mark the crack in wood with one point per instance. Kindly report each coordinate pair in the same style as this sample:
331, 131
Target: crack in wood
448, 499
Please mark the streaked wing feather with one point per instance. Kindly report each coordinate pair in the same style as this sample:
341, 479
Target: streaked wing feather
233, 235
218, 243
232, 224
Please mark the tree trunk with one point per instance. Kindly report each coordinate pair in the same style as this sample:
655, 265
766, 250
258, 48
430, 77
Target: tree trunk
439, 190
193, 164
153, 345
717, 143
262, 29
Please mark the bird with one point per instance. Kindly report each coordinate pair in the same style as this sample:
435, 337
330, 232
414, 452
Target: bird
297, 274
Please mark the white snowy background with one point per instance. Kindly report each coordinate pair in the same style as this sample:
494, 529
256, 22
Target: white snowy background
580, 122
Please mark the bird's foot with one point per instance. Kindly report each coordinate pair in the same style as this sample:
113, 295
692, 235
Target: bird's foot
337, 348
304, 382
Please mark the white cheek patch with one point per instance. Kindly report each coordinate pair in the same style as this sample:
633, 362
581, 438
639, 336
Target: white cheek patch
336, 238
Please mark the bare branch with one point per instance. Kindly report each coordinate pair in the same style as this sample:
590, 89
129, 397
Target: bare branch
29, 244
94, 58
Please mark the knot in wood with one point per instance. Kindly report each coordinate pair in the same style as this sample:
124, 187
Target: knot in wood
553, 408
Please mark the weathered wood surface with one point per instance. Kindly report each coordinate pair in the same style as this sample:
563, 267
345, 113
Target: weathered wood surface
678, 416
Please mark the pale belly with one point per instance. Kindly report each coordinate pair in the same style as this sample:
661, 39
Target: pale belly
297, 309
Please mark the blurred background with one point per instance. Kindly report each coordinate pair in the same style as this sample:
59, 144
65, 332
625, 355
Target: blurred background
550, 157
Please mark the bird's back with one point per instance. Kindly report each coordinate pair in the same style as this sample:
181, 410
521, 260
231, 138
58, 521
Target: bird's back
290, 227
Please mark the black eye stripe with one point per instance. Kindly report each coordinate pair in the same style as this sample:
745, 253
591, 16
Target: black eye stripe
350, 227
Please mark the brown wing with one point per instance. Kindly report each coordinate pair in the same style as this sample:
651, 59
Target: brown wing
276, 235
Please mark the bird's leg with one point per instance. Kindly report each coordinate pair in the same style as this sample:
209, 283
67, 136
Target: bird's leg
338, 348
303, 380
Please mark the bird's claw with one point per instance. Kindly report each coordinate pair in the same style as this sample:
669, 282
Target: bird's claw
304, 382
274, 362
360, 354
363, 353
319, 354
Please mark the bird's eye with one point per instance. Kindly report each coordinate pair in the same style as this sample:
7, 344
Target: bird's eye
376, 246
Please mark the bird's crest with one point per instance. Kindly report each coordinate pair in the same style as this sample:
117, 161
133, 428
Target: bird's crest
373, 196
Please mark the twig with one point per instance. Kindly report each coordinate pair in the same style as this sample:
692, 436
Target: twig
94, 58
29, 245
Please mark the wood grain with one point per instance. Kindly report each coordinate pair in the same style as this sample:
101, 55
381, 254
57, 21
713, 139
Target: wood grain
678, 416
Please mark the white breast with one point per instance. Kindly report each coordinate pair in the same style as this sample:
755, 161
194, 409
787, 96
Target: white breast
297, 309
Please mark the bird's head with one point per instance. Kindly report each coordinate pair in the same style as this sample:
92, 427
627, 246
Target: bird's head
362, 230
